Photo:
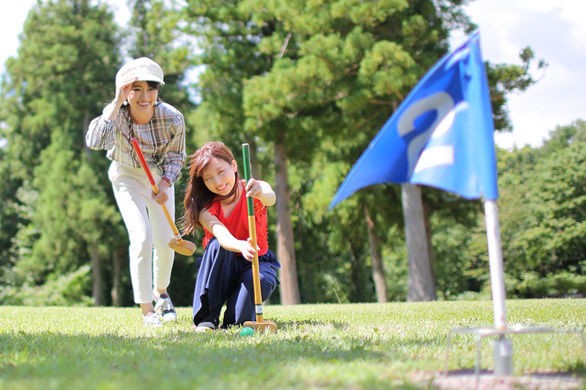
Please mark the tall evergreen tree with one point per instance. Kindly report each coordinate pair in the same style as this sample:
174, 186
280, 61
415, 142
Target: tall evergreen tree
55, 84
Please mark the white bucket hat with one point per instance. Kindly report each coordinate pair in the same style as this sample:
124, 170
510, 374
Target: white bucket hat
140, 69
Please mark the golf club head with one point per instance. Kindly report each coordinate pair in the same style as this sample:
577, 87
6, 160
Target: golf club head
265, 326
181, 246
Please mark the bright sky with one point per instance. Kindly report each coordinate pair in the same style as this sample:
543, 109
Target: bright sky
556, 32
553, 29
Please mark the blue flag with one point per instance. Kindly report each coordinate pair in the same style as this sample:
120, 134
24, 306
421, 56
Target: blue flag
441, 135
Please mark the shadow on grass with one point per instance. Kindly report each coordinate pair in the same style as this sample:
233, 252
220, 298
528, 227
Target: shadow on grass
293, 357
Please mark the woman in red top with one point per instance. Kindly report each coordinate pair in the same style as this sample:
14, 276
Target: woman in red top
215, 200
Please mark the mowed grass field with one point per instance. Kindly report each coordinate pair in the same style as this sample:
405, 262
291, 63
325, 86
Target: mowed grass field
341, 346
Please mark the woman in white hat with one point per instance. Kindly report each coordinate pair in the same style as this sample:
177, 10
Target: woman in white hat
137, 112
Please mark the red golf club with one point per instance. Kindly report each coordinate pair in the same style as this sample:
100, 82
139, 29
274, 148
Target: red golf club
177, 243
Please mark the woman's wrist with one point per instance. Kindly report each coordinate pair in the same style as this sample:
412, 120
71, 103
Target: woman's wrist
169, 182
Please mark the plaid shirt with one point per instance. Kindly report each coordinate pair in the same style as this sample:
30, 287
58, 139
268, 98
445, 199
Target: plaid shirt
162, 140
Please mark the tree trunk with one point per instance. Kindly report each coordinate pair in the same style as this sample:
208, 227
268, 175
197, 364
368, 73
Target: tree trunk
97, 290
421, 283
357, 281
116, 291
378, 272
430, 251
285, 244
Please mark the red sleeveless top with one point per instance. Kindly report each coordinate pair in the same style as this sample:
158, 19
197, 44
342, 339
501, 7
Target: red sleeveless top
237, 222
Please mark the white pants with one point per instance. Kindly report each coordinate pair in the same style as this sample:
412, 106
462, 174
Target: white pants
147, 228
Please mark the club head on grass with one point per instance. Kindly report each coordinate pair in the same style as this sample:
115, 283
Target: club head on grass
264, 326
181, 246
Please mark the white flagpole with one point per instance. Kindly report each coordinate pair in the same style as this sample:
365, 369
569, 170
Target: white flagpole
503, 350
495, 259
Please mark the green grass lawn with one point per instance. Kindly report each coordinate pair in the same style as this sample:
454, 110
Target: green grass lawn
349, 346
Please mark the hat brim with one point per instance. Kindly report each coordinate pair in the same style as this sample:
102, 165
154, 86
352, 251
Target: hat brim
147, 76
137, 76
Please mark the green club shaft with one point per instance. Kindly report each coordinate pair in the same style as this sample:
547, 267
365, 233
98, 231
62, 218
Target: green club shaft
247, 175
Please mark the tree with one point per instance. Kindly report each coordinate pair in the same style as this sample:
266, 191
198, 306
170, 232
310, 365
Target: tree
421, 279
229, 49
546, 230
55, 84
346, 62
301, 81
155, 32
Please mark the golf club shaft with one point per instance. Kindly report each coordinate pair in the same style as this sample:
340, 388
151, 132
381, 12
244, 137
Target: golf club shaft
154, 186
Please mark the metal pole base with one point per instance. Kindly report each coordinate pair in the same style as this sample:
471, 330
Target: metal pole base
503, 357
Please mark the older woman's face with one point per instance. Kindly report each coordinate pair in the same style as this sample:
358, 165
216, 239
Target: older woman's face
142, 98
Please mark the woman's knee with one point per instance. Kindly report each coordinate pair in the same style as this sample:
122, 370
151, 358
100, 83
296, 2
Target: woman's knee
141, 245
213, 245
268, 284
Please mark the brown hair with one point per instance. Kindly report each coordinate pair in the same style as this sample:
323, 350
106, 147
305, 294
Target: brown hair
197, 195
154, 85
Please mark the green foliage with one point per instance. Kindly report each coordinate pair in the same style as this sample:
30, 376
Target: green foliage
542, 231
562, 284
396, 264
309, 81
61, 210
55, 84
547, 228
450, 243
155, 32
504, 79
67, 289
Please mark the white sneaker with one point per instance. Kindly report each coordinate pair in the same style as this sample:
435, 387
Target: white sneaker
151, 319
165, 308
202, 329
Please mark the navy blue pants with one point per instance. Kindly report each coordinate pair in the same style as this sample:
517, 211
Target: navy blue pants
224, 277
